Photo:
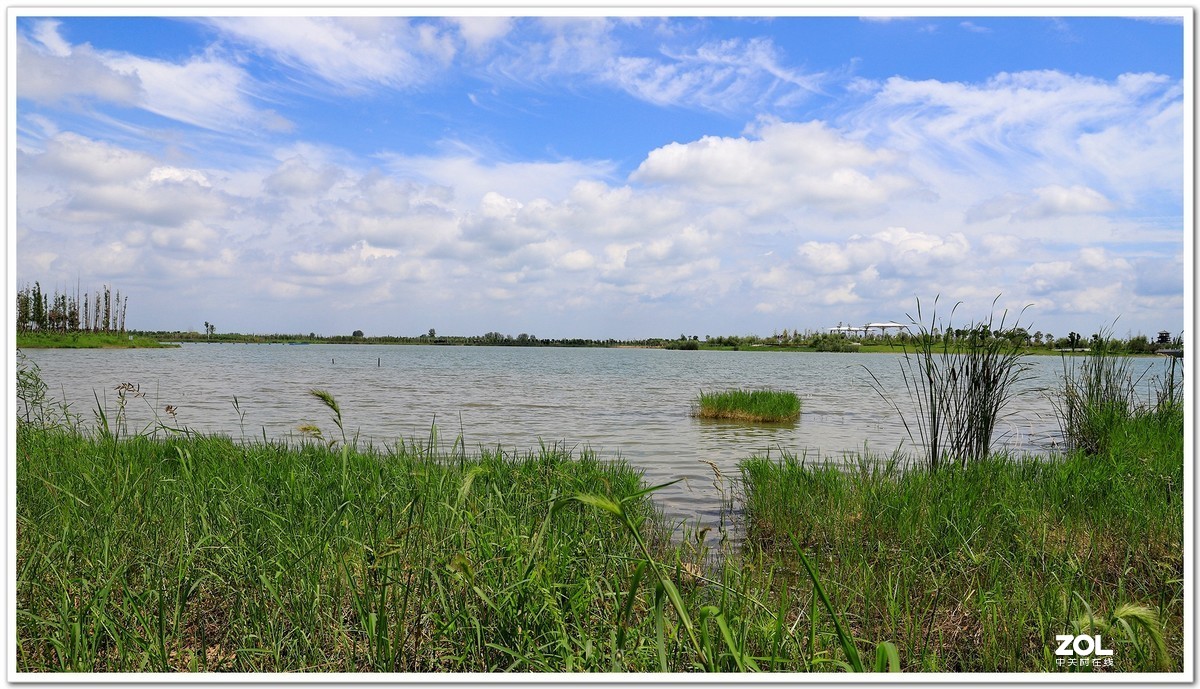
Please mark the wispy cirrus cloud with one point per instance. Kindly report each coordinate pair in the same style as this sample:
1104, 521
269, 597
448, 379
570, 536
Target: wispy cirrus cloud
736, 75
1048, 141
729, 75
349, 54
205, 91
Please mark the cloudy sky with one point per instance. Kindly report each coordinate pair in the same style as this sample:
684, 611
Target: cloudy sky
603, 177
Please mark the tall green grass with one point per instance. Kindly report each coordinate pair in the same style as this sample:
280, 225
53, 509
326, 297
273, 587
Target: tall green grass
958, 387
979, 569
1100, 392
164, 550
748, 405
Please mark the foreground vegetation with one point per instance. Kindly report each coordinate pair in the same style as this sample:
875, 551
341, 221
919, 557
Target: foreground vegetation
192, 553
978, 569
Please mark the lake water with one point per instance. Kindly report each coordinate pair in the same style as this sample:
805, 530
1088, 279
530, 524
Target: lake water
632, 403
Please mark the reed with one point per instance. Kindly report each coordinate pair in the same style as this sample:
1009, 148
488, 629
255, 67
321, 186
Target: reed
1099, 392
958, 387
748, 405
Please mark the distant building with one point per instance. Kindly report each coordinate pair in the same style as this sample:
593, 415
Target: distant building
865, 330
1164, 337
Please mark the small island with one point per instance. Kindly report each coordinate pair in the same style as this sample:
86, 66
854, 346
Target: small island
758, 406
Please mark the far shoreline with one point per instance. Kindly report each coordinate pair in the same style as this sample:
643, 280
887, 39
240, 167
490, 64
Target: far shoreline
167, 340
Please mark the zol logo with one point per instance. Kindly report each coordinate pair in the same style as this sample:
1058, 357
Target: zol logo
1081, 645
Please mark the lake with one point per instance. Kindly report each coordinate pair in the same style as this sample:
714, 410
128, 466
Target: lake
631, 403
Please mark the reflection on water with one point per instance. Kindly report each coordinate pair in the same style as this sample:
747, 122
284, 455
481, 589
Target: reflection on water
628, 403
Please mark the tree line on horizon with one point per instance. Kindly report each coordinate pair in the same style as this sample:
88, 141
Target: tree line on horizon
102, 312
818, 340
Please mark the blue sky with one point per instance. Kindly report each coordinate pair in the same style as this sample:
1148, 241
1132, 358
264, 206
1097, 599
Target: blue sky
603, 176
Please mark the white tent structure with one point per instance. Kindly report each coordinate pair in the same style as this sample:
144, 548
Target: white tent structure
865, 330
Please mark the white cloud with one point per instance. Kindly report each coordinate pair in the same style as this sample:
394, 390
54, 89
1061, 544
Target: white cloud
1050, 201
350, 53
725, 76
58, 72
796, 165
895, 251
480, 32
470, 176
973, 27
803, 221
204, 91
358, 264
1038, 129
296, 177
1068, 280
69, 156
740, 75
579, 259
98, 182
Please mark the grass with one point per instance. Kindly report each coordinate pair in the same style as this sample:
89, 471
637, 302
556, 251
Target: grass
979, 569
958, 388
194, 553
85, 340
1099, 391
748, 405
202, 554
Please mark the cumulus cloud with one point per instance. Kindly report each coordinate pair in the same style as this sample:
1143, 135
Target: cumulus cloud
1050, 201
895, 251
966, 188
472, 176
480, 32
1089, 269
356, 264
161, 198
798, 165
579, 259
69, 156
296, 177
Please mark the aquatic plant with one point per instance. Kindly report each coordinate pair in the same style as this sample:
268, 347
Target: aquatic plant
1100, 391
748, 405
958, 387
